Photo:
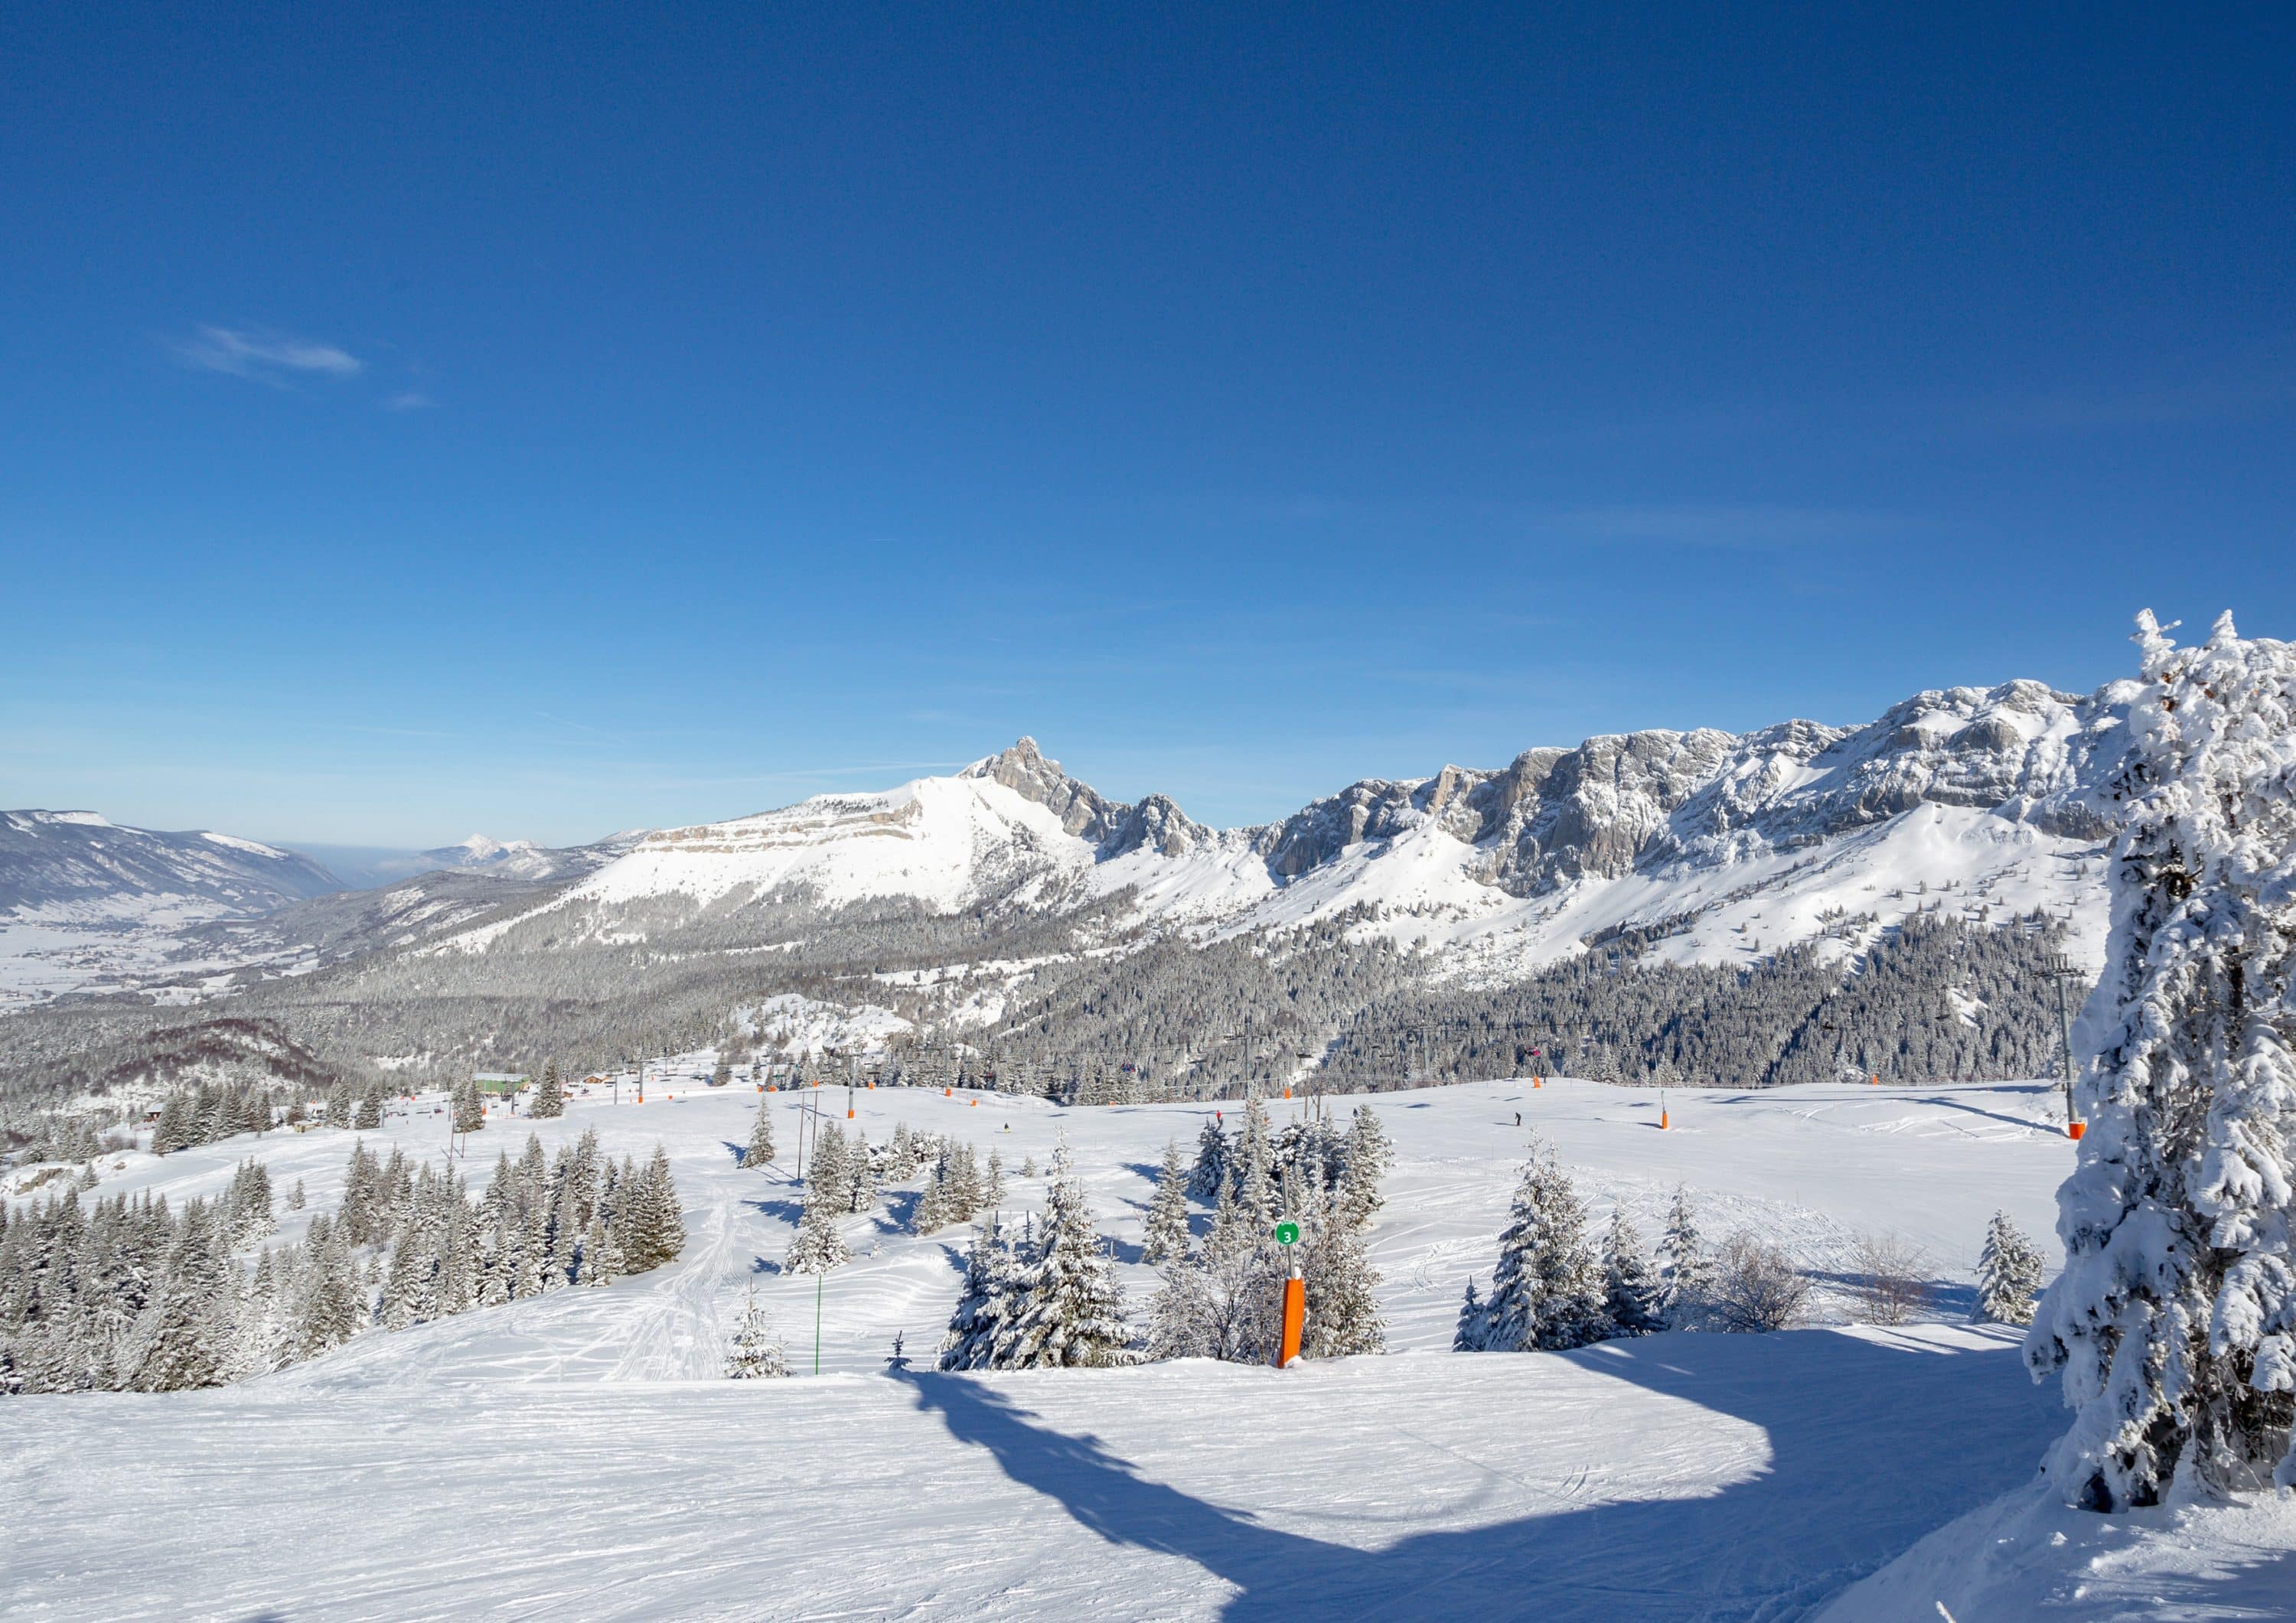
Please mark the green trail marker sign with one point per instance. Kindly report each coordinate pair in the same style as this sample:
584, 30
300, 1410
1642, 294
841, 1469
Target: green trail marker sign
1287, 1233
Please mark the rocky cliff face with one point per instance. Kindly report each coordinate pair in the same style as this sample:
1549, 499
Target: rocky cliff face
1620, 803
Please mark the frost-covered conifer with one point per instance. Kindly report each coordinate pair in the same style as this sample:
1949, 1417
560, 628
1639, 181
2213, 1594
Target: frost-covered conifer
1255, 1172
465, 1106
1547, 1292
2173, 1327
992, 1182
756, 1352
931, 1212
1364, 1157
827, 1176
549, 1093
295, 1196
1630, 1297
1167, 1233
653, 1229
817, 1246
1473, 1329
759, 1150
2008, 1274
1210, 1176
978, 1321
1682, 1265
1067, 1311
1343, 1319
860, 1175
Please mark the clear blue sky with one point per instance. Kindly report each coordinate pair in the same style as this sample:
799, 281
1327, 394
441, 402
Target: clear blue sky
551, 419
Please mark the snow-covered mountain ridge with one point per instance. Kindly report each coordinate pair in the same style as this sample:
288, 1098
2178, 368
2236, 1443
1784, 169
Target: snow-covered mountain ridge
1705, 846
68, 860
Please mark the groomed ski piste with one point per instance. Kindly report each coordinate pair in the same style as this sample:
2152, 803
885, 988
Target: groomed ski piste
580, 1455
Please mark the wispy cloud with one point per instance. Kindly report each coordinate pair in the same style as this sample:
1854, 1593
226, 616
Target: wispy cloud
264, 356
408, 401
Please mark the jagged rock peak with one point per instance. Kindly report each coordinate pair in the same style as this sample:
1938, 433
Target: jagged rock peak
1083, 810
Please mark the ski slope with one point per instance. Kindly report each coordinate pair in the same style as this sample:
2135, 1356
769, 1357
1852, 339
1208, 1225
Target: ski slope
577, 1454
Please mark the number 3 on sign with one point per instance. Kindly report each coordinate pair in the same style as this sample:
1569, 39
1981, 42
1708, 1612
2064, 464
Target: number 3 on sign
1287, 1233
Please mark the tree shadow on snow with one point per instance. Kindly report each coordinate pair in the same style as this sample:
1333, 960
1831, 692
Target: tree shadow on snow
1873, 1443
1948, 1301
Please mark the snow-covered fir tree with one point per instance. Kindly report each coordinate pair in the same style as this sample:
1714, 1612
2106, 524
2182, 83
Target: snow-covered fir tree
1547, 1292
817, 1247
756, 1352
652, 1227
992, 1182
1167, 1231
549, 1093
2173, 1325
1631, 1298
980, 1320
467, 1109
860, 1175
2008, 1275
1210, 1174
1343, 1319
1683, 1266
1365, 1155
759, 1150
1066, 1310
1254, 1169
826, 1175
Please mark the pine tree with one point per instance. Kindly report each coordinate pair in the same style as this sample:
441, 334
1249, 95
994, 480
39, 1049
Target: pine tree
2173, 1325
860, 1175
1547, 1292
979, 1320
826, 1170
1211, 1175
1683, 1268
549, 1093
368, 1115
992, 1182
1364, 1158
931, 1212
469, 1111
756, 1352
1067, 1311
2008, 1275
1630, 1297
1167, 1233
1473, 1329
653, 1230
759, 1152
817, 1247
1254, 1179
1343, 1319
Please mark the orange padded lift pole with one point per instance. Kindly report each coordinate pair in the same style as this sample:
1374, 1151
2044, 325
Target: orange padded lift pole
1295, 1318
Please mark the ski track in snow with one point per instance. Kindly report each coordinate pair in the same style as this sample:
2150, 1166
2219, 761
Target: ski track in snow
574, 1454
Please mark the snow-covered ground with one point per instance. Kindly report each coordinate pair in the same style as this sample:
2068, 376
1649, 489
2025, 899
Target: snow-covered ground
576, 1453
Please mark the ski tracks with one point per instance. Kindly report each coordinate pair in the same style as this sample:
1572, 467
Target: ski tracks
676, 1338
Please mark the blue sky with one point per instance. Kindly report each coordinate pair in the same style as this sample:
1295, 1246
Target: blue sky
550, 421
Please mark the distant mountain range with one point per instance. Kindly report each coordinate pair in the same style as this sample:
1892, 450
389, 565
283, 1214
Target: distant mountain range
1697, 847
1702, 846
369, 867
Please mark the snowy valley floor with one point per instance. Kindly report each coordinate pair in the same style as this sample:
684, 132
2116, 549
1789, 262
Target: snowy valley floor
574, 1455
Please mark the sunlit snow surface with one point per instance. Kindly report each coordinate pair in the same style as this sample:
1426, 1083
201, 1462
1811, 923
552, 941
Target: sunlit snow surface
575, 1455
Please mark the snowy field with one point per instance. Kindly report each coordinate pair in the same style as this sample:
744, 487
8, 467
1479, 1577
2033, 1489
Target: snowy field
577, 1454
